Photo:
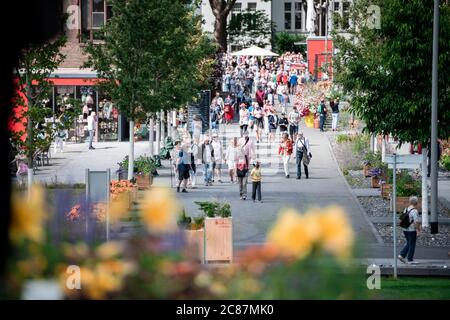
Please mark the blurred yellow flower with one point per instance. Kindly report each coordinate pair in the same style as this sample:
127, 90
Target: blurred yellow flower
77, 251
291, 234
28, 216
296, 235
160, 210
337, 233
109, 250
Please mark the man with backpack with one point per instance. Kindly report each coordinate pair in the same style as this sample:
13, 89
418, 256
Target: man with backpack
409, 222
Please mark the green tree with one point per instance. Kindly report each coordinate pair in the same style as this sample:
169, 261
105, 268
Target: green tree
387, 70
34, 67
153, 58
284, 42
250, 28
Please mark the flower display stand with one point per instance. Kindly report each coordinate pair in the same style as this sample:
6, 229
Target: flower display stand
218, 240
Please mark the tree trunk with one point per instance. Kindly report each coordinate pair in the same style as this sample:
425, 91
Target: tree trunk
158, 132
220, 33
29, 137
131, 152
169, 126
151, 135
163, 127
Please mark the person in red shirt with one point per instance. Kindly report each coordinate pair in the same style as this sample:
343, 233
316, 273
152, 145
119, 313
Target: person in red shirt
260, 96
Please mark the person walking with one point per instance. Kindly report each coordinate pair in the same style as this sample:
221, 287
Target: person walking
91, 129
183, 167
228, 110
260, 94
244, 118
218, 158
272, 124
258, 114
255, 174
196, 156
230, 158
294, 122
334, 113
322, 110
285, 151
207, 153
242, 169
411, 232
283, 123
303, 154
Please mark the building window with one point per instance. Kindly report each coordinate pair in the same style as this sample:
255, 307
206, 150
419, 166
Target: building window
287, 15
346, 14
251, 6
237, 8
298, 15
94, 14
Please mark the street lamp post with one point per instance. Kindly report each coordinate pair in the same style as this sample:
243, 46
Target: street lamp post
434, 124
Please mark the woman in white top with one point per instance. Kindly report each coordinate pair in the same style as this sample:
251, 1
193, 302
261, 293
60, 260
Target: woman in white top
243, 118
230, 157
217, 164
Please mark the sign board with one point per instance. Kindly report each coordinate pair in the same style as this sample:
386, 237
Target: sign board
200, 108
404, 161
98, 191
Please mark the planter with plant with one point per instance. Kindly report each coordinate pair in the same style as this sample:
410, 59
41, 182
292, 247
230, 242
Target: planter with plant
407, 187
122, 172
194, 233
143, 169
375, 174
218, 231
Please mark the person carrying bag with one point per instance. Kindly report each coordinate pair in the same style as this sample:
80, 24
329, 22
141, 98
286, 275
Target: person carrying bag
303, 155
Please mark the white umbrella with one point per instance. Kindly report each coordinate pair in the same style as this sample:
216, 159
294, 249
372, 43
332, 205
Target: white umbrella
310, 16
254, 51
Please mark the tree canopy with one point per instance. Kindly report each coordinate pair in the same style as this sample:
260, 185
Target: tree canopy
387, 70
249, 28
153, 57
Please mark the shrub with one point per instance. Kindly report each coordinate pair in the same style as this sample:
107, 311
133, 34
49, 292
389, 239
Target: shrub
360, 143
214, 209
407, 186
445, 161
341, 138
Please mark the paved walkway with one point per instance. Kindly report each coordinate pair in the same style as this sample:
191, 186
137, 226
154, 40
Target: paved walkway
252, 221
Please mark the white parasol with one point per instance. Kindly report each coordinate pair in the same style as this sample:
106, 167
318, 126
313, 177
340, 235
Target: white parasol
254, 51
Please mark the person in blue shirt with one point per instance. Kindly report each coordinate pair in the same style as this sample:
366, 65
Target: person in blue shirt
251, 117
293, 79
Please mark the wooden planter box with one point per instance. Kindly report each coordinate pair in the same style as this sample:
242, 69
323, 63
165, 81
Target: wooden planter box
195, 240
132, 195
366, 169
143, 181
218, 240
386, 190
375, 181
402, 202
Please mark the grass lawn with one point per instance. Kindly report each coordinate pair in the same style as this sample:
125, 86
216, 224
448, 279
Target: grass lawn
414, 288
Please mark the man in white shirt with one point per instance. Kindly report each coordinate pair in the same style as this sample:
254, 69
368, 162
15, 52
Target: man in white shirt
301, 149
207, 152
218, 159
91, 129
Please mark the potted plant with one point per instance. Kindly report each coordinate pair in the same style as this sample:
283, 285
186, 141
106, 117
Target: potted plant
143, 168
375, 174
218, 235
194, 233
122, 172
